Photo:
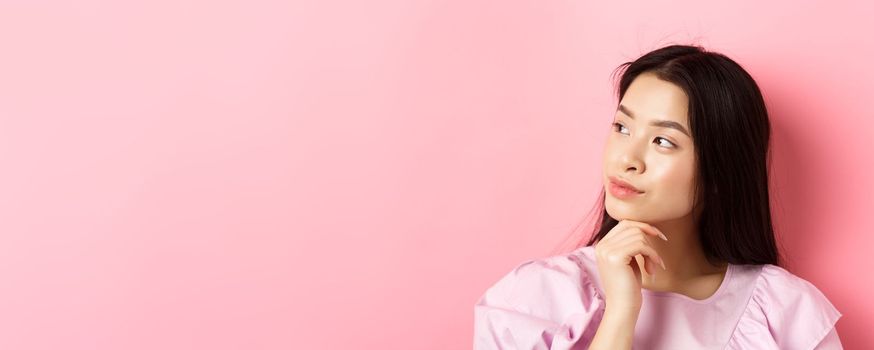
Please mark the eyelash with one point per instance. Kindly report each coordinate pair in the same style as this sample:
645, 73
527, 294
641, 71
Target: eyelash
620, 125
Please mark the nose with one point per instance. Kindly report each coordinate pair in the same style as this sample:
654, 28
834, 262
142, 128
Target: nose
633, 166
632, 160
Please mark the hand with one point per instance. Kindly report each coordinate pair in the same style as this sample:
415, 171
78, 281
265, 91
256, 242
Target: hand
620, 273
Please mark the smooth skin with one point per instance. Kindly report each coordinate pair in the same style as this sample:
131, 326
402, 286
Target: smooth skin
655, 245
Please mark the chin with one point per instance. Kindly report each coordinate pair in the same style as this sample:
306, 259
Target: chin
622, 214
625, 211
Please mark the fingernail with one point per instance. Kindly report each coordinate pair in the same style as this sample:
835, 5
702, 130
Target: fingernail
663, 236
663, 265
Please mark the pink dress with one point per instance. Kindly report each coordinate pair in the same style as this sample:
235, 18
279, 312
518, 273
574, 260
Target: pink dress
557, 303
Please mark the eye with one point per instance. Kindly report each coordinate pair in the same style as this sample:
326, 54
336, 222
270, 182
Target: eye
618, 127
666, 144
670, 144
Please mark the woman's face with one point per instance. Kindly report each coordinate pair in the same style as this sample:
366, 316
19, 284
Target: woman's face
650, 147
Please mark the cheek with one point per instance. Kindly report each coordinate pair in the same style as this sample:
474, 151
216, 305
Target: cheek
607, 147
674, 179
605, 160
610, 154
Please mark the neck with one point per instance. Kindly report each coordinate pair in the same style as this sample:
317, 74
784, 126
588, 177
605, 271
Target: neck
682, 253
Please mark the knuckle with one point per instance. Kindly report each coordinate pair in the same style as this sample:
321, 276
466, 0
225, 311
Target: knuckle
614, 258
642, 246
601, 253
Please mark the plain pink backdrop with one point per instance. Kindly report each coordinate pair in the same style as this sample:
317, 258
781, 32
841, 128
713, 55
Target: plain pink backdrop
339, 175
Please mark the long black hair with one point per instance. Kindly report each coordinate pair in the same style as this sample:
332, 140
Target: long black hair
731, 133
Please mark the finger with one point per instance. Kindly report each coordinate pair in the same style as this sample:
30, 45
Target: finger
624, 237
646, 263
647, 228
636, 269
632, 234
613, 231
637, 247
616, 230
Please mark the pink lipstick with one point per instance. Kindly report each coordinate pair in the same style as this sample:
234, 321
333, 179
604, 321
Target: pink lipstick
621, 189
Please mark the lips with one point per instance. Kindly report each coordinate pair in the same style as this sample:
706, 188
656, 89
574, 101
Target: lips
622, 184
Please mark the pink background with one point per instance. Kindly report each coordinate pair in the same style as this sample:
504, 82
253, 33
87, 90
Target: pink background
330, 175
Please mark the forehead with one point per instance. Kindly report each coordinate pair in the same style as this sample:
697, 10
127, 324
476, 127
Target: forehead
650, 98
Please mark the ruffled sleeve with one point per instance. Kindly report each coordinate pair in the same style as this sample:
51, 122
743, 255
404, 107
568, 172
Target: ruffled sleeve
786, 312
547, 303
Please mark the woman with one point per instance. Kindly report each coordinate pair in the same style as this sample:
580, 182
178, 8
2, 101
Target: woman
684, 256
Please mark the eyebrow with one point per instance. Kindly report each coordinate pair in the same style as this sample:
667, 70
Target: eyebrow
660, 123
